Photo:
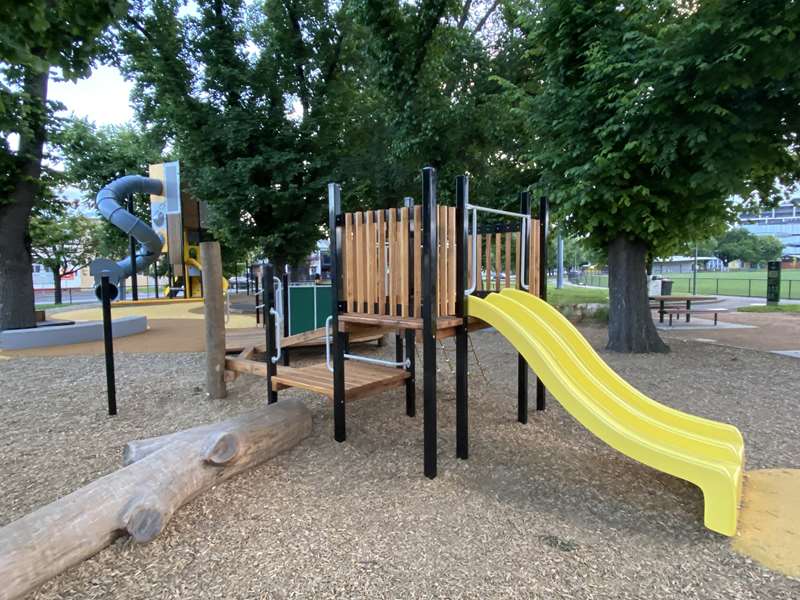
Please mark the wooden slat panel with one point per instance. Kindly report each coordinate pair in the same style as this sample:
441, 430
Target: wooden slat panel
349, 259
417, 261
369, 243
533, 261
441, 273
508, 258
468, 250
359, 250
451, 260
488, 261
381, 264
498, 254
479, 261
392, 261
403, 253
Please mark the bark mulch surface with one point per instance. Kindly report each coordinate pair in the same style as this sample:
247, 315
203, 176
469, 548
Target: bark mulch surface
772, 331
542, 510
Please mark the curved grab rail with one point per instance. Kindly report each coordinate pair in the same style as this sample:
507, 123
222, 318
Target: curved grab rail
524, 228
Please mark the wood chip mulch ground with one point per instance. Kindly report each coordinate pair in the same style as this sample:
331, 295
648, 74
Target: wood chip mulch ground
542, 510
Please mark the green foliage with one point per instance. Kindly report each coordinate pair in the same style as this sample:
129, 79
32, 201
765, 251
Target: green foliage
740, 244
266, 103
648, 115
36, 36
224, 109
63, 241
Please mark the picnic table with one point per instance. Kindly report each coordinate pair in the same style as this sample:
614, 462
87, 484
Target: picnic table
662, 300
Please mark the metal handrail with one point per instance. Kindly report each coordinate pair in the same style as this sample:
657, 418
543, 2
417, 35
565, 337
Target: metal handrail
526, 220
406, 363
278, 314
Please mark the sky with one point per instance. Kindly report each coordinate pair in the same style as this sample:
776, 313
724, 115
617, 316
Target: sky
103, 97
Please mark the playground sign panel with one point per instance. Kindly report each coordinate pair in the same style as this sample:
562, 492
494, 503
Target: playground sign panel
773, 282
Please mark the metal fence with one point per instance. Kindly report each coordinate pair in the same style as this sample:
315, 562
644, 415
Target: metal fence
73, 295
718, 286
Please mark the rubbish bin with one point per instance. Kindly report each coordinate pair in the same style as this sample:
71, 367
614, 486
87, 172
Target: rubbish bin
654, 286
666, 287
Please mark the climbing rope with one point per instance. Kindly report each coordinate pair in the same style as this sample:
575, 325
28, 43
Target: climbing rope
477, 360
446, 357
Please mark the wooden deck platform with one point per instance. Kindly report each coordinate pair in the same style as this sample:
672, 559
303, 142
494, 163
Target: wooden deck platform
237, 340
359, 378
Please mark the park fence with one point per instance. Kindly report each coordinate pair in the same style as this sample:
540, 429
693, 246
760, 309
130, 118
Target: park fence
718, 286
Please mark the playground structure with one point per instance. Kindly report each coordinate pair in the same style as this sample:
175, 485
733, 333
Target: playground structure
177, 227
428, 272
424, 272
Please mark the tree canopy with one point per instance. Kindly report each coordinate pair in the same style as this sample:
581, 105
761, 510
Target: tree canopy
638, 118
644, 117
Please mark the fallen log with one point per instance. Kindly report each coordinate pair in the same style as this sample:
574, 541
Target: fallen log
161, 475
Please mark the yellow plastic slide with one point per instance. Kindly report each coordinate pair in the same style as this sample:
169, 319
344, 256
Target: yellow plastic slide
193, 262
703, 452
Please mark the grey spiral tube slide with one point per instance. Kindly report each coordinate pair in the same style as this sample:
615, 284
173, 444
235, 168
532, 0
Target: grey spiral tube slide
150, 243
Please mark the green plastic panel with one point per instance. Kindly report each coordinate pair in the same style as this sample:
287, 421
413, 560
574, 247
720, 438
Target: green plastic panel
302, 313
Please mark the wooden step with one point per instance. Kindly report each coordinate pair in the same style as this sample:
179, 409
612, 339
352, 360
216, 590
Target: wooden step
359, 378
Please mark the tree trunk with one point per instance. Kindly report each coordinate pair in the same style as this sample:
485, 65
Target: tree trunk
161, 475
630, 323
16, 274
57, 286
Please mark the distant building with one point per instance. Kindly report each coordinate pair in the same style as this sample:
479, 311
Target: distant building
783, 222
684, 264
43, 278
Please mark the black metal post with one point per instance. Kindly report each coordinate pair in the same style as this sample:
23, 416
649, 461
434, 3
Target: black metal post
155, 276
338, 304
544, 227
522, 364
462, 364
285, 280
268, 288
132, 242
429, 276
108, 339
410, 334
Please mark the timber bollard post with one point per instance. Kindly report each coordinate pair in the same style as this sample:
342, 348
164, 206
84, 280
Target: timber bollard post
214, 310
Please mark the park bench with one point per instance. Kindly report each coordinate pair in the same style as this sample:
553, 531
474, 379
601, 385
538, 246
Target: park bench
679, 310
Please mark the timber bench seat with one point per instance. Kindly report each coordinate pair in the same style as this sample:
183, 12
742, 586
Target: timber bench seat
693, 311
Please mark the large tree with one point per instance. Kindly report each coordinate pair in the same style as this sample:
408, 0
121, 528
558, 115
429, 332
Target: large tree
645, 116
64, 242
38, 36
244, 95
265, 103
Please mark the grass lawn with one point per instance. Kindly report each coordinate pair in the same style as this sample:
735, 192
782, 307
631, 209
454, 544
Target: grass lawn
790, 308
575, 295
46, 306
730, 283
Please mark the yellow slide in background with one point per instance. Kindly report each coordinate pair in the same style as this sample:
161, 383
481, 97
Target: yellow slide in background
193, 262
703, 452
